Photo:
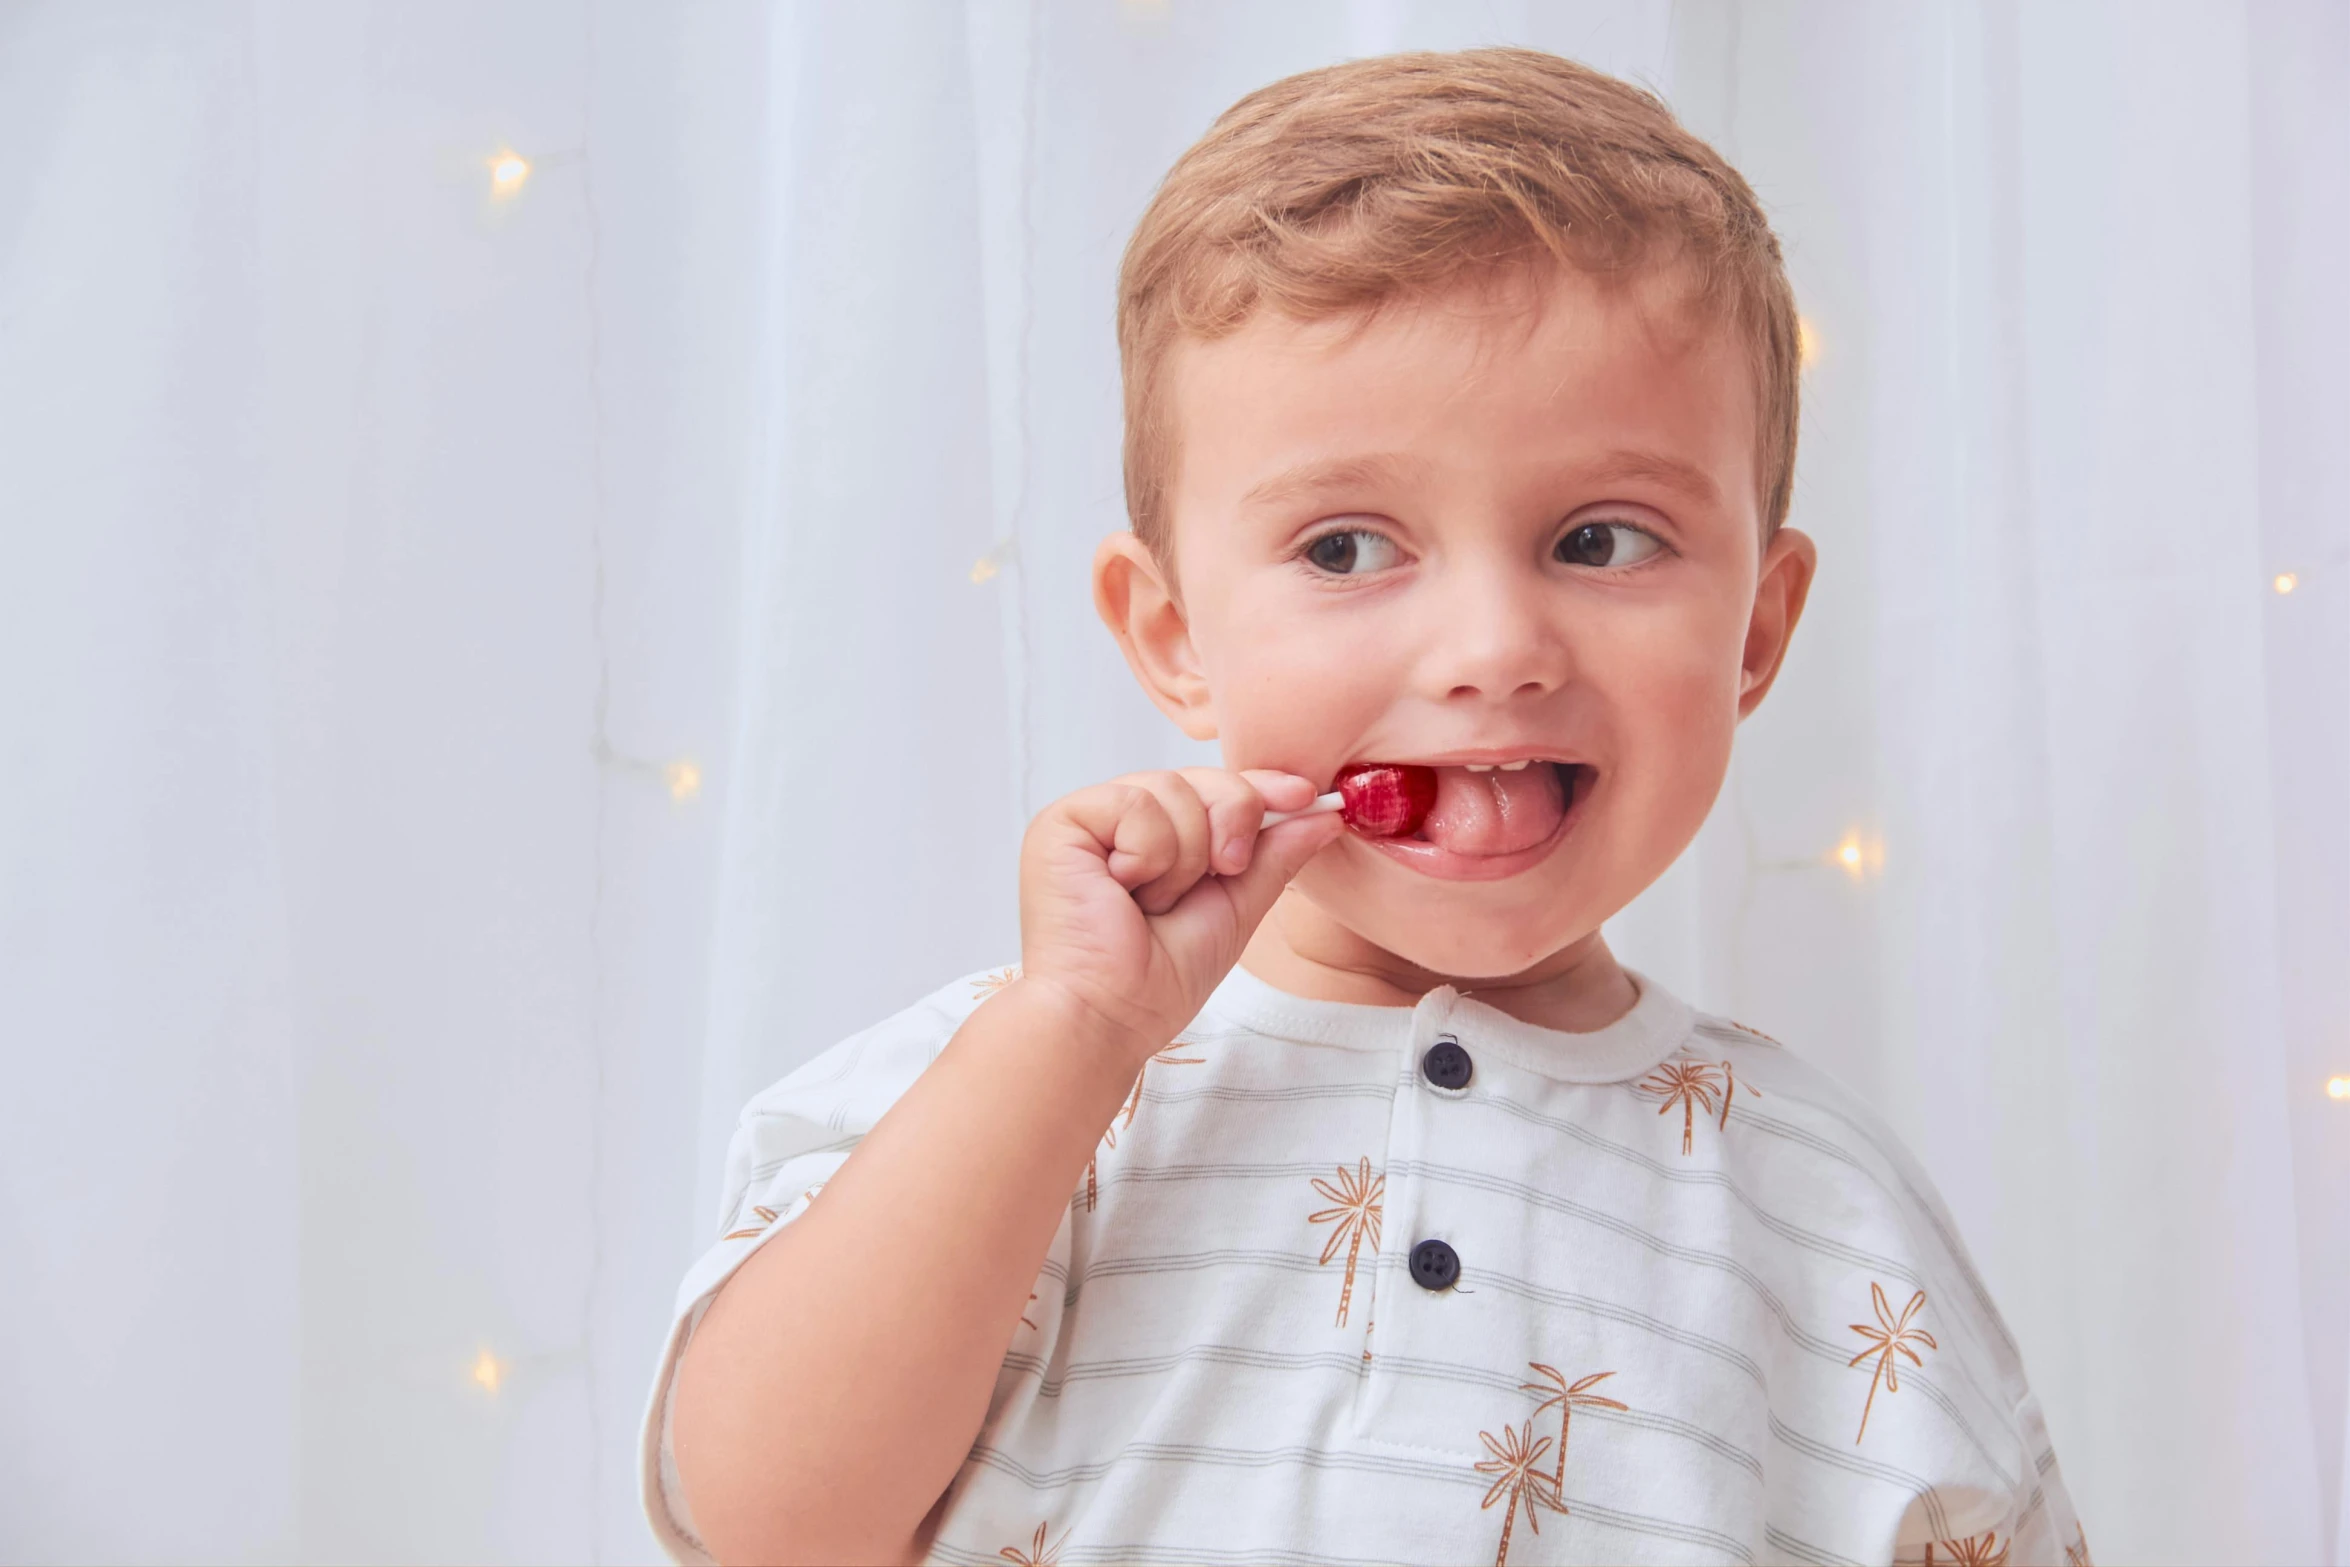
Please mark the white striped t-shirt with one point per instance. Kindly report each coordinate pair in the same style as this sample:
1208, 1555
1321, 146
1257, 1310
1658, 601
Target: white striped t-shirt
1430, 1284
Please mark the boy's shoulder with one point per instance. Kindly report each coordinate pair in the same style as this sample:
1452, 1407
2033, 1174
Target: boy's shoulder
1798, 1109
1822, 1153
868, 1070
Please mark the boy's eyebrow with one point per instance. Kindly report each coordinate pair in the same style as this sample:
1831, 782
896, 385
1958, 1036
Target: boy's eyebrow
1334, 473
1673, 473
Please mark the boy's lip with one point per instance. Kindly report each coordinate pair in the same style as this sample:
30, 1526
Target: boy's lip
1480, 757
1434, 860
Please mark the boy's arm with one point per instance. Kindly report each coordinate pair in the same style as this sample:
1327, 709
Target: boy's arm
834, 1386
836, 1383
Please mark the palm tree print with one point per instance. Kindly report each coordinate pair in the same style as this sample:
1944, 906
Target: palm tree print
1166, 1057
766, 1215
1566, 1395
1518, 1481
1695, 1086
1888, 1337
2077, 1553
987, 985
1038, 1554
1358, 1198
1984, 1550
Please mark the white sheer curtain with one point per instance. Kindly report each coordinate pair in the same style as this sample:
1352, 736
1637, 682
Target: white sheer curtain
496, 667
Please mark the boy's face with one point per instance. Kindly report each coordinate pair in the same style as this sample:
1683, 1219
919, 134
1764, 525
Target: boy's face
1510, 532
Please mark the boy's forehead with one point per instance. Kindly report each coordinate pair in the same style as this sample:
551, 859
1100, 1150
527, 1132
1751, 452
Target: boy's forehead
1553, 366
1564, 323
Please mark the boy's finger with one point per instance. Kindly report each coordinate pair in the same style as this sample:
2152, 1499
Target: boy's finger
1090, 816
1187, 815
1236, 809
1280, 791
1141, 839
1273, 791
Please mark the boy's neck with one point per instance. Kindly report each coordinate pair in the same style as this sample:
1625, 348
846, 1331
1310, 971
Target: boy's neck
1299, 948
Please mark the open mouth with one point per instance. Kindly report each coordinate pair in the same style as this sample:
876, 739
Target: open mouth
1493, 819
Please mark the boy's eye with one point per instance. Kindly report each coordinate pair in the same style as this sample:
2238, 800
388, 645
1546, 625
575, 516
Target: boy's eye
1607, 544
1352, 553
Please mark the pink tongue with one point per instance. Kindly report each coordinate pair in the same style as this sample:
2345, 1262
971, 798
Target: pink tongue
1496, 812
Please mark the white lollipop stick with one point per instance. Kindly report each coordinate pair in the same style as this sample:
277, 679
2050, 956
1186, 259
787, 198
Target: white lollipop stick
1323, 803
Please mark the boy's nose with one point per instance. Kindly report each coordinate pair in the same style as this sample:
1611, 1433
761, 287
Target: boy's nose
1496, 641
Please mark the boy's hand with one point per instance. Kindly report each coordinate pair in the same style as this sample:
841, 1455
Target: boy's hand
1137, 896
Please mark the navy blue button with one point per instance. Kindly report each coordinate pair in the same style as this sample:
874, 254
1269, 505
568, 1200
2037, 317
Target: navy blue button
1435, 1265
1447, 1065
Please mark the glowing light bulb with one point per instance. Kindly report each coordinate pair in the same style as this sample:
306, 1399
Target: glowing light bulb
2338, 1087
2286, 581
982, 569
507, 172
684, 780
488, 1371
1807, 341
1851, 855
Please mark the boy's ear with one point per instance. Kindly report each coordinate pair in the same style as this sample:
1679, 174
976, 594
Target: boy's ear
1778, 604
1136, 600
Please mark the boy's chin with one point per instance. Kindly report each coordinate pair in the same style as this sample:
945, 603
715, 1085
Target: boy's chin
1463, 942
1473, 959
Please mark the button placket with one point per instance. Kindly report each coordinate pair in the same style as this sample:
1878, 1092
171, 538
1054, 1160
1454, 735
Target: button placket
1421, 1263
1447, 1066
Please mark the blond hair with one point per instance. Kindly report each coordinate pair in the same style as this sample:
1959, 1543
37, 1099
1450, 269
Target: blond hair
1337, 190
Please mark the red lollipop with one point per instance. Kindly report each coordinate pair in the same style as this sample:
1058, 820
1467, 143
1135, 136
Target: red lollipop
1386, 800
1376, 799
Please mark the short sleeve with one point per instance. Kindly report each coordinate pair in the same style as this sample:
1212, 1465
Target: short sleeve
2030, 1525
2047, 1529
791, 1139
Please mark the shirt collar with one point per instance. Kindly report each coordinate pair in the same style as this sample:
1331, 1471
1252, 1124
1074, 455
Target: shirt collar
1655, 1027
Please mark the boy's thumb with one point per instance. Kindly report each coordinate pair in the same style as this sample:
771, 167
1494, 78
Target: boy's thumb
1281, 852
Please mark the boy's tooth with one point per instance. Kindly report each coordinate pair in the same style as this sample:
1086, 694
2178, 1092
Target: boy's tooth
1513, 767
1478, 767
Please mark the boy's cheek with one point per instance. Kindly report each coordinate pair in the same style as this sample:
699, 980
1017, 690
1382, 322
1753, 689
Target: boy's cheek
1300, 707
1678, 672
1310, 739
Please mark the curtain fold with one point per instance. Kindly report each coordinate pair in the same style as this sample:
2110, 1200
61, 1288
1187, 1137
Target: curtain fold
496, 667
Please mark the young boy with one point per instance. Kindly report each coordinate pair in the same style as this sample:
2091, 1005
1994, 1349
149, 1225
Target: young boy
1311, 1197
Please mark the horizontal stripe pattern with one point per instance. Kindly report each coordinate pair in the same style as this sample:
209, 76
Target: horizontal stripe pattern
1227, 1361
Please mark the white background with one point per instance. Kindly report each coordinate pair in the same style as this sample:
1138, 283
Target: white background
375, 995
